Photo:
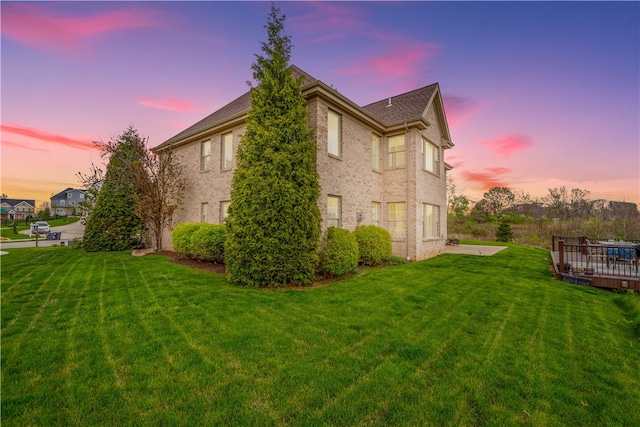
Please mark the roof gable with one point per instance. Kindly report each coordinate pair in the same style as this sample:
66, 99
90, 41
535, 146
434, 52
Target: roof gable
63, 193
16, 202
400, 108
238, 106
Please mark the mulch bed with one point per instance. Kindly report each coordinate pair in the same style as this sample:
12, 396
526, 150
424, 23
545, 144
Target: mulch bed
193, 263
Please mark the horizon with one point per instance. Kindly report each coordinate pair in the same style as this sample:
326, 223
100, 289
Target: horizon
530, 106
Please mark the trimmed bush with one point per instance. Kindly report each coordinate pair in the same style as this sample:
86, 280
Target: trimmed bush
374, 244
181, 236
207, 243
340, 255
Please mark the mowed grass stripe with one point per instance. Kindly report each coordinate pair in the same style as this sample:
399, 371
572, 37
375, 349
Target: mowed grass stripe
456, 340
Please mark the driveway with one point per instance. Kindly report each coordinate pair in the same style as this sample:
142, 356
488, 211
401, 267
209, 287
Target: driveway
69, 232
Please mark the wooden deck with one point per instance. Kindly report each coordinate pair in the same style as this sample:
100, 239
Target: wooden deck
607, 266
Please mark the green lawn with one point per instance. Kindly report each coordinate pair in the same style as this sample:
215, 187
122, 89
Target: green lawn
111, 339
7, 232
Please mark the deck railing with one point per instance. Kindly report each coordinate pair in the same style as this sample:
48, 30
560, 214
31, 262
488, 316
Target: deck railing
613, 259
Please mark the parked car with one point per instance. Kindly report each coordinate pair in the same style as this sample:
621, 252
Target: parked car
41, 227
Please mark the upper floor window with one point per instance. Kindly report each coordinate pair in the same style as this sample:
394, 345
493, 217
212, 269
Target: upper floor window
62, 202
334, 134
205, 155
81, 195
334, 211
397, 220
396, 151
227, 151
69, 195
430, 157
375, 152
224, 211
430, 221
375, 213
204, 212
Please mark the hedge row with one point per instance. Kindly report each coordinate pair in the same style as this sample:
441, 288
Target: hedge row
199, 240
343, 250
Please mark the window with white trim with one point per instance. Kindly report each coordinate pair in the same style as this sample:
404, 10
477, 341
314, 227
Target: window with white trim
430, 221
334, 211
397, 220
227, 151
430, 157
396, 151
375, 213
204, 212
205, 155
224, 211
375, 152
334, 134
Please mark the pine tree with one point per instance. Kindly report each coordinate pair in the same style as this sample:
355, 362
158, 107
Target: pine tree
113, 224
274, 220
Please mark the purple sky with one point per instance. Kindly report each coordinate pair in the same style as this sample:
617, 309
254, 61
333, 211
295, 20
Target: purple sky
537, 95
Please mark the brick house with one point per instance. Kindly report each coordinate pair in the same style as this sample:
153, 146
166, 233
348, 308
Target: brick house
67, 202
381, 163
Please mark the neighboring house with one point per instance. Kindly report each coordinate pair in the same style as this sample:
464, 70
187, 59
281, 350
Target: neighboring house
381, 163
20, 209
67, 202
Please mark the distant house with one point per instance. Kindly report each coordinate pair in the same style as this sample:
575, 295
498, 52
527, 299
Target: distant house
17, 209
381, 163
67, 202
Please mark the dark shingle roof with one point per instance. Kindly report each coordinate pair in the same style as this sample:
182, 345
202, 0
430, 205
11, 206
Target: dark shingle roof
14, 202
235, 107
405, 107
408, 106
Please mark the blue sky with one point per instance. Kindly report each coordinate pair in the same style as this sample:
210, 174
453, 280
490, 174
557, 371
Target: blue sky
537, 94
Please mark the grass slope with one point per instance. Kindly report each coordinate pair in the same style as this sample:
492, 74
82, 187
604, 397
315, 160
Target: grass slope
111, 339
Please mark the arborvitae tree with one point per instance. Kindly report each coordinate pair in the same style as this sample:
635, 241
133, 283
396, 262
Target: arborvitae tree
504, 232
113, 224
274, 220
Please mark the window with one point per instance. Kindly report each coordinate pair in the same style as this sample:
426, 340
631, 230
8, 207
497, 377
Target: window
62, 202
397, 220
205, 155
334, 211
375, 213
430, 157
227, 151
224, 211
81, 196
396, 151
430, 221
375, 152
72, 203
204, 212
69, 195
334, 134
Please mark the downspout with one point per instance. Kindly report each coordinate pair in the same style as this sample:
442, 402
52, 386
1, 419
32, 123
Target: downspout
406, 165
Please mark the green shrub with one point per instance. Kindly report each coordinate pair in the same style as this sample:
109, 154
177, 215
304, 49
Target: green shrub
504, 232
395, 260
374, 244
207, 243
340, 255
181, 236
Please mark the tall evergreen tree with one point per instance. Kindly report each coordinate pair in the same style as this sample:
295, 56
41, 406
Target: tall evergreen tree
113, 224
274, 220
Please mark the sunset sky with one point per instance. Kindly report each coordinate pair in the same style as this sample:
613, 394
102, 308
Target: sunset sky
537, 94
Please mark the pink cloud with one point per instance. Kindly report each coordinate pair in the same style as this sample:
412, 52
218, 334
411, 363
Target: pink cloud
326, 21
487, 179
172, 104
405, 60
51, 138
459, 108
508, 144
23, 146
38, 26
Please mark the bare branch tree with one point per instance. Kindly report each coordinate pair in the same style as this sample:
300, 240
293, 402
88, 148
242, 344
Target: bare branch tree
159, 190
